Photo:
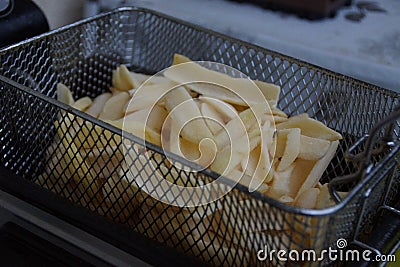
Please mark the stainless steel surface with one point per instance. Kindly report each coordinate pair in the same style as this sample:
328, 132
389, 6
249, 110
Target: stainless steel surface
48, 226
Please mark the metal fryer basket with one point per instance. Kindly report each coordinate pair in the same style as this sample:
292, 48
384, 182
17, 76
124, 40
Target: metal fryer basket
83, 56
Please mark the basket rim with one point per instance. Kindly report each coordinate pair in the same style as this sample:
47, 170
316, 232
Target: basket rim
256, 195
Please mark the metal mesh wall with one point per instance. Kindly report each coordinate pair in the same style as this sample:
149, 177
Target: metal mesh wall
36, 140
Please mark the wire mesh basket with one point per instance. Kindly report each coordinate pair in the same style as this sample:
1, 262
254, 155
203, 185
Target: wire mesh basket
235, 228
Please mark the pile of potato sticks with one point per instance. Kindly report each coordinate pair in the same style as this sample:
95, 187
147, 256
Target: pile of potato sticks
253, 143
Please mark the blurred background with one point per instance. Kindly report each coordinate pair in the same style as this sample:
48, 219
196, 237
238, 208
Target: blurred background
356, 38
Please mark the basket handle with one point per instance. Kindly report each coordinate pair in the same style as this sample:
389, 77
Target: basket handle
364, 158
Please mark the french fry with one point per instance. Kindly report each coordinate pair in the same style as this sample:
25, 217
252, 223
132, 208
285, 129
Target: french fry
249, 165
277, 112
318, 169
83, 103
313, 148
122, 79
208, 152
244, 179
239, 126
64, 94
220, 86
198, 129
286, 199
263, 172
98, 104
213, 120
114, 107
226, 160
138, 129
270, 91
174, 137
310, 127
189, 150
324, 199
283, 183
308, 199
248, 142
152, 117
225, 110
292, 148
103, 161
147, 96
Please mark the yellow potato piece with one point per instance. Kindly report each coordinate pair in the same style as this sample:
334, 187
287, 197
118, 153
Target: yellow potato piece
73, 131
155, 182
249, 165
64, 94
292, 148
208, 152
84, 134
213, 120
202, 154
148, 95
245, 180
174, 137
122, 79
225, 110
138, 78
268, 132
138, 129
182, 178
238, 126
324, 199
83, 103
283, 184
114, 107
239, 91
248, 142
286, 199
313, 148
308, 199
77, 169
245, 88
153, 117
186, 113
179, 59
189, 150
264, 170
289, 181
277, 222
277, 112
98, 104
121, 198
272, 118
270, 91
279, 141
100, 161
226, 160
310, 127
318, 169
